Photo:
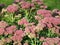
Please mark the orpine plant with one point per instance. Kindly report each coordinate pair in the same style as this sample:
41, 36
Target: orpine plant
29, 23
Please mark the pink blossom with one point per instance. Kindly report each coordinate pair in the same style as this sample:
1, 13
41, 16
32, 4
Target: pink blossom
58, 43
18, 38
19, 32
52, 41
23, 21
27, 30
55, 21
18, 35
37, 18
35, 0
32, 5
43, 6
49, 25
39, 2
45, 13
19, 43
25, 5
58, 12
26, 44
42, 39
12, 8
51, 20
3, 24
8, 40
56, 40
30, 29
1, 31
40, 26
11, 29
57, 31
14, 38
45, 43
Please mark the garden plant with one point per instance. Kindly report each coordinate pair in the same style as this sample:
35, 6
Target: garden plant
29, 22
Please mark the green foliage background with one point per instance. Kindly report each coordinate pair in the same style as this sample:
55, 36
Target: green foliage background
6, 2
50, 3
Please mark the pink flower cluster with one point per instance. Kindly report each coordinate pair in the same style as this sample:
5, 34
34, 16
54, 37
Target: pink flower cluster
3, 24
2, 31
45, 13
12, 8
26, 31
23, 21
50, 41
25, 5
38, 1
46, 19
30, 29
18, 35
10, 29
6, 30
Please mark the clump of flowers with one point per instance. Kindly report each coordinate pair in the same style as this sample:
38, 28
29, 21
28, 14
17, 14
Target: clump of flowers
28, 22
12, 8
45, 13
3, 24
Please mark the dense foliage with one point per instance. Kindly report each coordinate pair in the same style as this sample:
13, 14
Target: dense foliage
29, 22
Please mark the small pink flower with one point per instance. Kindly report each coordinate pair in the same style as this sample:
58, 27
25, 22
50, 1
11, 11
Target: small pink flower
58, 43
11, 29
51, 20
3, 24
25, 5
32, 5
57, 31
49, 25
16, 38
27, 30
43, 6
37, 18
26, 44
30, 29
19, 43
45, 13
45, 43
8, 40
23, 21
40, 26
1, 31
42, 39
58, 12
56, 40
19, 33
50, 42
38, 1
12, 8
